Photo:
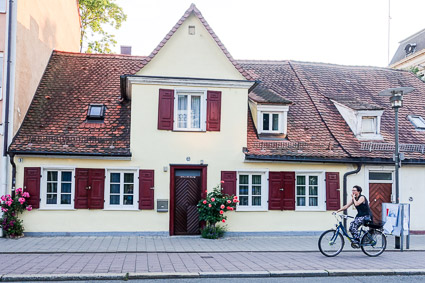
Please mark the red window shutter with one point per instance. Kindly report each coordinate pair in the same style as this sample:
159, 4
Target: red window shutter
332, 191
32, 185
146, 191
229, 185
97, 188
213, 110
275, 191
81, 185
166, 109
289, 190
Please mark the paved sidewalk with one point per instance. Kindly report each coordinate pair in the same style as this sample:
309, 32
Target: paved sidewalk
132, 244
123, 258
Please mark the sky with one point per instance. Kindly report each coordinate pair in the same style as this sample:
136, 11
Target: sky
346, 32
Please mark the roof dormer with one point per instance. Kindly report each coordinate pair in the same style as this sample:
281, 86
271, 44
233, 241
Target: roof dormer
269, 112
364, 119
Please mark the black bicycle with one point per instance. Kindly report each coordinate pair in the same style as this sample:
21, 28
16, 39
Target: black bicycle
373, 242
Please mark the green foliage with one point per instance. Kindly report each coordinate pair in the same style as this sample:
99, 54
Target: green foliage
11, 207
415, 70
94, 15
212, 209
213, 232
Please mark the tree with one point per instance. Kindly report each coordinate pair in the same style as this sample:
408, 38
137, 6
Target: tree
94, 15
418, 72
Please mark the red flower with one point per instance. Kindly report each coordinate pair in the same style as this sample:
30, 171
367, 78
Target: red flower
222, 181
229, 201
230, 208
224, 220
209, 205
221, 211
206, 191
235, 197
204, 202
222, 206
212, 199
235, 200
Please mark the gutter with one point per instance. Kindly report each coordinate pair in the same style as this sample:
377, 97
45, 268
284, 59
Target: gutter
344, 188
12, 162
7, 94
362, 160
69, 154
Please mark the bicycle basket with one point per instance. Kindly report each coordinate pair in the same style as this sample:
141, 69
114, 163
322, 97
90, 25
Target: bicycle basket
375, 225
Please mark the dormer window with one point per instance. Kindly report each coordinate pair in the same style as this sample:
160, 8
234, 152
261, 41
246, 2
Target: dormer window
96, 112
417, 121
369, 125
272, 119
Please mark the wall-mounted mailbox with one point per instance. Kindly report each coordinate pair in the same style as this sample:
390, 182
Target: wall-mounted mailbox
162, 205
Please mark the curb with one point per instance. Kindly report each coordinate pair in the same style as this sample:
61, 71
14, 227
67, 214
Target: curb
180, 275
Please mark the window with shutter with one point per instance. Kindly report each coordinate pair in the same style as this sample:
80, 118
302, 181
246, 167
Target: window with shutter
213, 110
57, 188
166, 109
228, 182
32, 185
89, 188
146, 185
332, 191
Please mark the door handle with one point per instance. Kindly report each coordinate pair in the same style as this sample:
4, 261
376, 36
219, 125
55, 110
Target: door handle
88, 188
375, 199
281, 189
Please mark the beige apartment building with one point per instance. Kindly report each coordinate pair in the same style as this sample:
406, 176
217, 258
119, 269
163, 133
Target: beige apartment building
29, 31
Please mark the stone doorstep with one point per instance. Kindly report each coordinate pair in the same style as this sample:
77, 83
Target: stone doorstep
237, 274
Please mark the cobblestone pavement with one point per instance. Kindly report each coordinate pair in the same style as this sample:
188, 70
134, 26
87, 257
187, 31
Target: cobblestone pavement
88, 263
112, 244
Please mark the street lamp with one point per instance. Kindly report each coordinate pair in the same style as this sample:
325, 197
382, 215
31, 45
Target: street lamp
396, 99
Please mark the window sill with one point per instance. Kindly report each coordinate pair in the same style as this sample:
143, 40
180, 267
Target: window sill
309, 209
190, 131
250, 209
120, 209
57, 208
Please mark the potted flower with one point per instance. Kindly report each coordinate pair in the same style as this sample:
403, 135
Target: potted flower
212, 210
11, 207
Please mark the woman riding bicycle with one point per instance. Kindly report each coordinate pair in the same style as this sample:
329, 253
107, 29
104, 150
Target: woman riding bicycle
363, 211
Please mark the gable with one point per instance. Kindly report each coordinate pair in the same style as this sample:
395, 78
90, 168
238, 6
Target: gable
195, 56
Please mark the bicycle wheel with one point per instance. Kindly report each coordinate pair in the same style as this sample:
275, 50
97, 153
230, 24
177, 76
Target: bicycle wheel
331, 243
373, 243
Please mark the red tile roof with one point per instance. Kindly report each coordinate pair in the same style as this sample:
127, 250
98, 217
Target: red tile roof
314, 119
56, 120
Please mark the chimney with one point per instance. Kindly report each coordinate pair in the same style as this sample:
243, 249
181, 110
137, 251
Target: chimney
126, 49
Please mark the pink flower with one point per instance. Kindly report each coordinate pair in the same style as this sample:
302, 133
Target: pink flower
229, 201
3, 198
4, 209
235, 197
230, 208
223, 220
204, 202
206, 191
209, 205
9, 203
212, 199
29, 207
21, 200
235, 200
222, 181
222, 206
19, 190
26, 195
221, 211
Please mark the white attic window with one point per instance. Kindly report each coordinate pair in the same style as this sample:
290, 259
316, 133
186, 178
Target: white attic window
417, 121
365, 124
272, 119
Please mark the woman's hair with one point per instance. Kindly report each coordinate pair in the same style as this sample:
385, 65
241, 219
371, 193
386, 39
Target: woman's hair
358, 188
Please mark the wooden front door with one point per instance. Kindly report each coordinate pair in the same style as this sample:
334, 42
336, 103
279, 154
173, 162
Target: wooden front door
379, 193
188, 190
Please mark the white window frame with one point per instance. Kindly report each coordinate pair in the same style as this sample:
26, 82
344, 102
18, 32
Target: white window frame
321, 201
379, 169
3, 6
374, 125
43, 189
376, 114
264, 190
107, 194
282, 110
411, 117
203, 110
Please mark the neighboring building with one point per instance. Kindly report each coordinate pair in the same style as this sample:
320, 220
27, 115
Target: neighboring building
411, 53
32, 29
118, 143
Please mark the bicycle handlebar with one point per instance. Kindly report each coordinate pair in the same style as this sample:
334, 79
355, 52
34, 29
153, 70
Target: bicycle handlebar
341, 215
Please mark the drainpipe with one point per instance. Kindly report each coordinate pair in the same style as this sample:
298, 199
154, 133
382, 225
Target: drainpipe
344, 189
12, 162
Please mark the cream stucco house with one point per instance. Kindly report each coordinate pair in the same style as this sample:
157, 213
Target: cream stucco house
127, 144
